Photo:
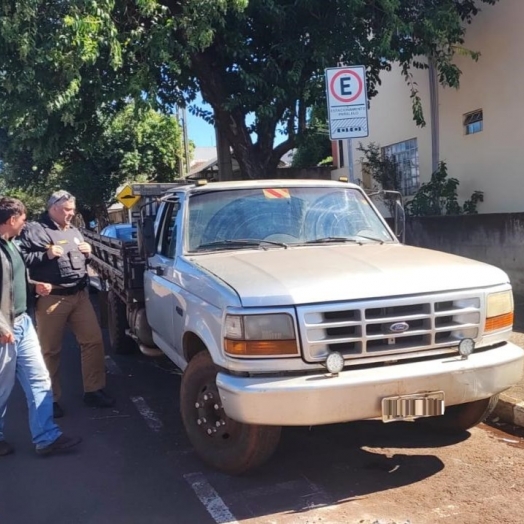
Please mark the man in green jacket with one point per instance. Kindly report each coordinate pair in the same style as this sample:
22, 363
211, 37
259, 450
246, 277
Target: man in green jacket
20, 354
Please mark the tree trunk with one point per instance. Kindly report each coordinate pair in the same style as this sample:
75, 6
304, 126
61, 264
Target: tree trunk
255, 160
225, 164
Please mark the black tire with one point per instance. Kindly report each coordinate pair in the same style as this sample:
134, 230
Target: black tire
221, 442
460, 418
121, 344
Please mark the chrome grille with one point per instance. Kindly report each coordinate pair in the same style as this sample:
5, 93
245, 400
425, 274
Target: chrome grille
431, 324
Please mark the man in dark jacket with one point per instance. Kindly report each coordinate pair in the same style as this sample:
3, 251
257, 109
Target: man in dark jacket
20, 353
56, 254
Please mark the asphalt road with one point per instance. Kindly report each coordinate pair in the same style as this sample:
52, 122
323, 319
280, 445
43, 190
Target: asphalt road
137, 466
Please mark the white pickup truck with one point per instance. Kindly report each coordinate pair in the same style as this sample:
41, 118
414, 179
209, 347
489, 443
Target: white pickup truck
292, 303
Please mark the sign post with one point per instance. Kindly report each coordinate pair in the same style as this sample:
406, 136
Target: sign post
347, 102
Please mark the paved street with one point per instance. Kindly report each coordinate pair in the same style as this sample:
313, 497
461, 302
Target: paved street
136, 466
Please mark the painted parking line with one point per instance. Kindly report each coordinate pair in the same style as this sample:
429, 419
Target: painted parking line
211, 500
148, 414
298, 501
112, 367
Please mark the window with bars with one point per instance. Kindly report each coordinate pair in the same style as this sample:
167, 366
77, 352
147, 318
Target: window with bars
473, 122
405, 156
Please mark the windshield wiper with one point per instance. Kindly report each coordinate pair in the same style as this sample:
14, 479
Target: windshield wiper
328, 240
234, 244
371, 238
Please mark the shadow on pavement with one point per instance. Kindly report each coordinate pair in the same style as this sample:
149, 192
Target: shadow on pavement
330, 465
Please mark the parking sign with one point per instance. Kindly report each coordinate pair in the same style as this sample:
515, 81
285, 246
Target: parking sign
347, 102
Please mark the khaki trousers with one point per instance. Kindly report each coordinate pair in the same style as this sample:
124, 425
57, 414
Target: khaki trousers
52, 314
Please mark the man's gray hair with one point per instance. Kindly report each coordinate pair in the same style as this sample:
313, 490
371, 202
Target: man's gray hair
59, 196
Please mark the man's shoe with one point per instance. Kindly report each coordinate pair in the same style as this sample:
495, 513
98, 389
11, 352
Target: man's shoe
58, 412
5, 448
62, 443
98, 399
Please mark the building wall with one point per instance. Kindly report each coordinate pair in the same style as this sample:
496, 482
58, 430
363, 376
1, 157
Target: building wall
391, 118
492, 160
496, 239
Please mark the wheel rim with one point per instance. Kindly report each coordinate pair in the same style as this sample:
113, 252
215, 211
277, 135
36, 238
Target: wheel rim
210, 416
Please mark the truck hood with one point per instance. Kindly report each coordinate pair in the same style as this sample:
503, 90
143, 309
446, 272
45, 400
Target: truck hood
305, 275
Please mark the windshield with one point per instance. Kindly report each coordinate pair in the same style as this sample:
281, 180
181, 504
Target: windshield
281, 217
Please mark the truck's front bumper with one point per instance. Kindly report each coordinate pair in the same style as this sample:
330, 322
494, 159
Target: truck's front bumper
356, 394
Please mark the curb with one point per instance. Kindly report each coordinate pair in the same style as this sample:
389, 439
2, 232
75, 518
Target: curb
510, 410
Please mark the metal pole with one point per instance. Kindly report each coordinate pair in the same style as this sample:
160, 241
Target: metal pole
434, 106
350, 162
180, 158
186, 143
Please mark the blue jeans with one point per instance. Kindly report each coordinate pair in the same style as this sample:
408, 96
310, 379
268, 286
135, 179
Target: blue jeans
24, 360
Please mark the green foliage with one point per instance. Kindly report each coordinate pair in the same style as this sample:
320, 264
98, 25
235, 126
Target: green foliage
439, 197
313, 145
328, 161
67, 66
149, 144
34, 203
133, 144
383, 169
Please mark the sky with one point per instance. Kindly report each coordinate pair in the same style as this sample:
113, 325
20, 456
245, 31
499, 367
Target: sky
198, 130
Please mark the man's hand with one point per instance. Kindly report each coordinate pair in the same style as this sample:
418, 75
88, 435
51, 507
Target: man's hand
43, 289
8, 338
54, 252
84, 248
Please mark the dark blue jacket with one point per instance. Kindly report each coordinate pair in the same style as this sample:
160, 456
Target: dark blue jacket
67, 270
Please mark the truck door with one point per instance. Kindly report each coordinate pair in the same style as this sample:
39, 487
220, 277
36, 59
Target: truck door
161, 281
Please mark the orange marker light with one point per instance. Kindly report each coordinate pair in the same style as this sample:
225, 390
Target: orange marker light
499, 322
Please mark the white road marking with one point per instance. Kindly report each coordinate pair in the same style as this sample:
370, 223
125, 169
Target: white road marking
147, 414
104, 417
302, 488
112, 367
211, 500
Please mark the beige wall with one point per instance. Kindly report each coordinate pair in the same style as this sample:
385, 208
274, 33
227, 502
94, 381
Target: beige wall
492, 160
391, 118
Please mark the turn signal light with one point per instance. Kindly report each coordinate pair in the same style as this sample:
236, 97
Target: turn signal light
499, 322
260, 348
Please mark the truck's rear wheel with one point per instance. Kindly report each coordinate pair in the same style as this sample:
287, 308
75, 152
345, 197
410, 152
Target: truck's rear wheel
121, 344
457, 419
221, 442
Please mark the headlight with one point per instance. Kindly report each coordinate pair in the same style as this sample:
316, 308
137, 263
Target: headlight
260, 335
499, 311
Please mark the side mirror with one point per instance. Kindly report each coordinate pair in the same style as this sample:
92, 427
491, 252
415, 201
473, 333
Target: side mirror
393, 202
146, 237
400, 220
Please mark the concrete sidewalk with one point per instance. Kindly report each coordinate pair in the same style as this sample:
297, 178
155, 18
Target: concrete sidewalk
510, 407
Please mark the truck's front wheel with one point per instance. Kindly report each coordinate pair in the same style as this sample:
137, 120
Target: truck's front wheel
223, 443
462, 417
121, 344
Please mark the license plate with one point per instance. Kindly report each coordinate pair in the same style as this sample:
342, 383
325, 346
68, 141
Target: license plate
409, 407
